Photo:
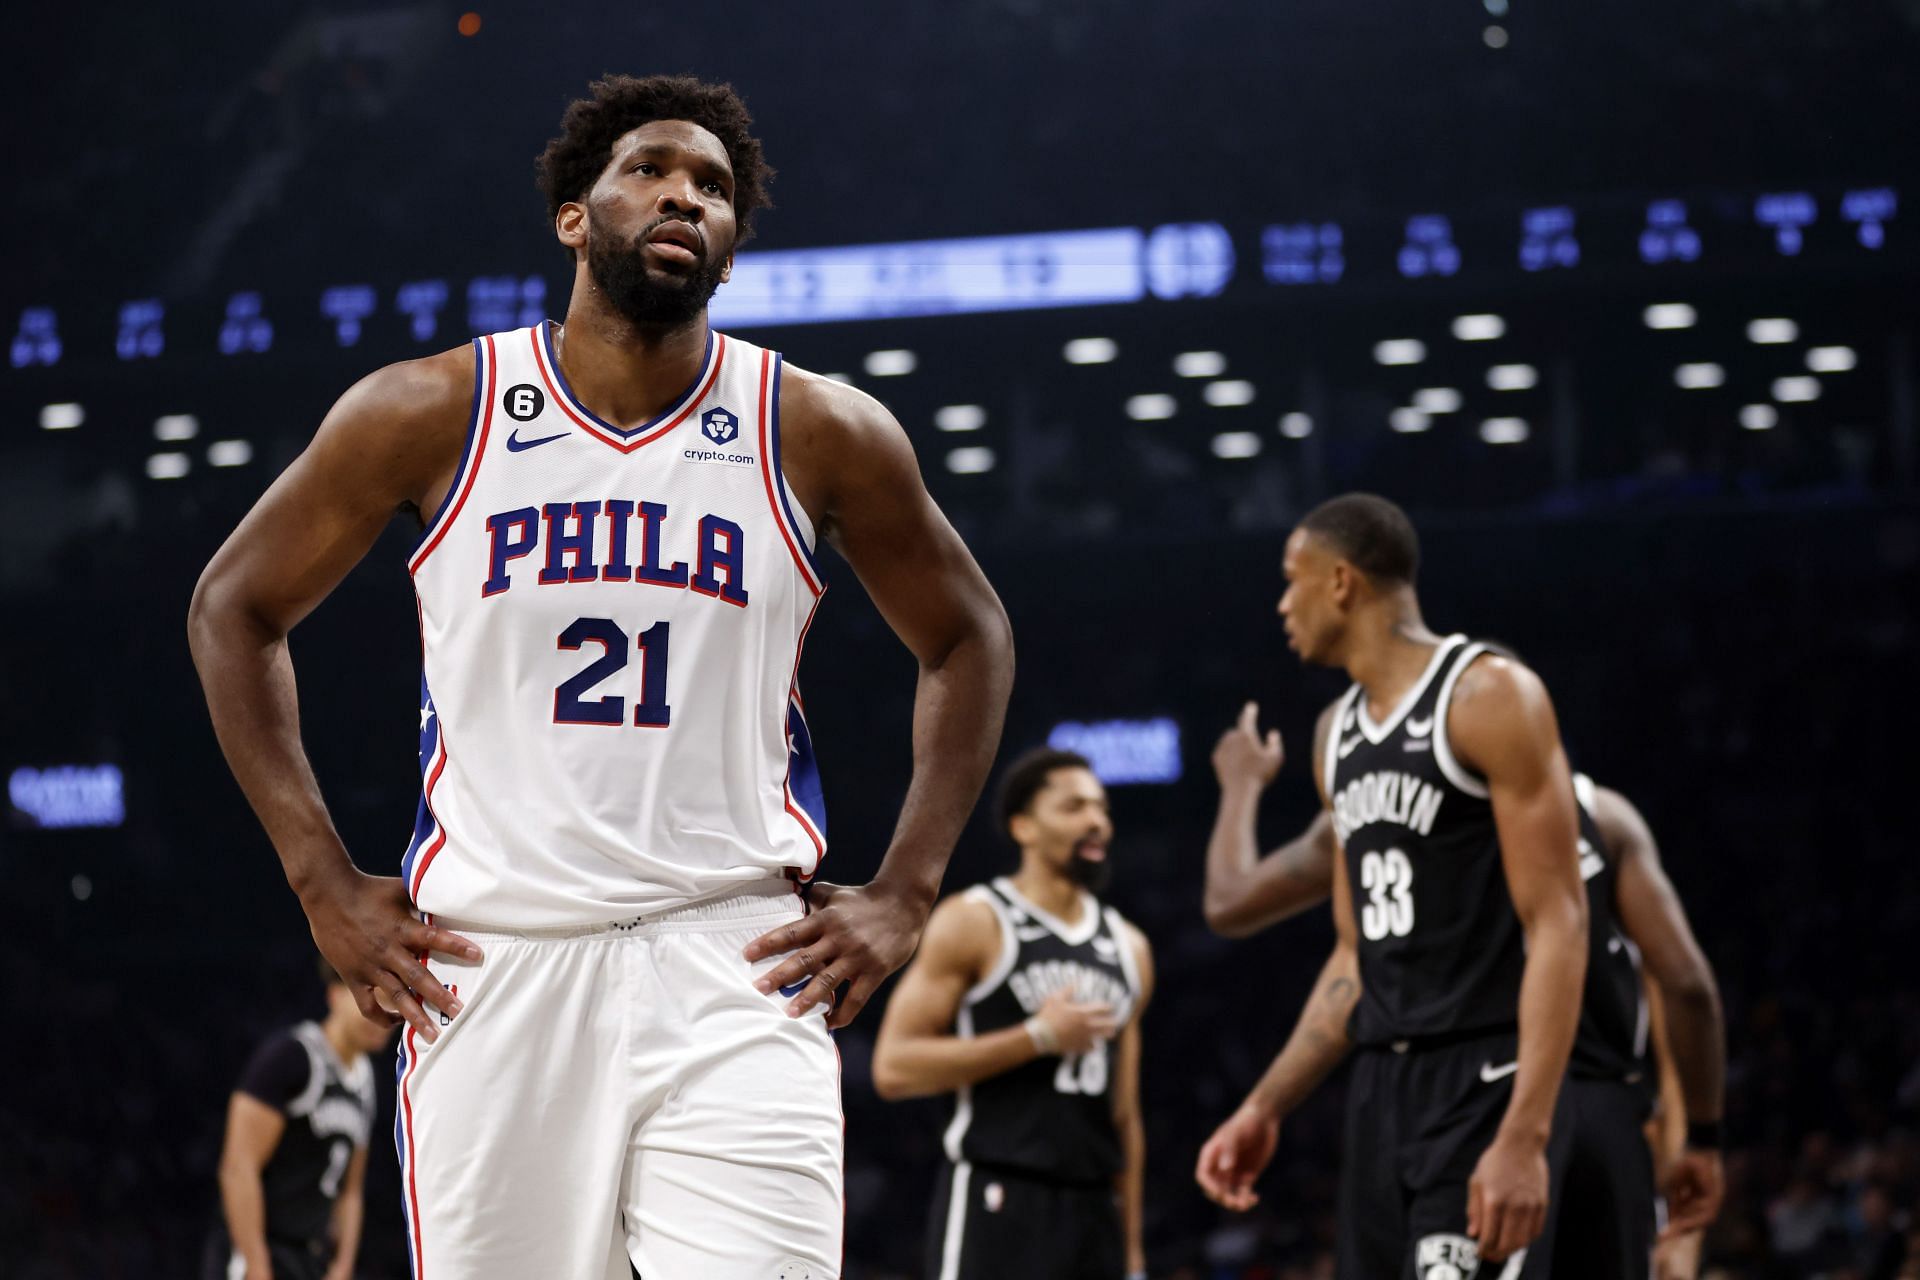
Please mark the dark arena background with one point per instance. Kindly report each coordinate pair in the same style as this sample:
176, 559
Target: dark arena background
1619, 300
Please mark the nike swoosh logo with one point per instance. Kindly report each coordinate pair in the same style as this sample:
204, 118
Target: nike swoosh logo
1348, 747
791, 991
1492, 1074
1029, 935
515, 444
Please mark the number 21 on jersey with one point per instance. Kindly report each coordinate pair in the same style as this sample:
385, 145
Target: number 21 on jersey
1387, 880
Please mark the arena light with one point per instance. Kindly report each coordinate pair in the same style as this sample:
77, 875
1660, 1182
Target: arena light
1759, 417
1200, 364
1437, 400
229, 453
61, 417
1124, 752
960, 417
1699, 376
1832, 359
1513, 377
168, 466
1091, 351
1236, 444
1479, 328
970, 461
1151, 408
1400, 351
176, 426
1229, 394
1296, 425
1773, 332
1504, 430
891, 364
1797, 390
1670, 315
1495, 36
67, 795
1409, 421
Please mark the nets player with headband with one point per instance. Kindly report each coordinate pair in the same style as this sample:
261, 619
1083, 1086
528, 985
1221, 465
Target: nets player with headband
293, 1162
1025, 1001
617, 1049
1461, 923
1601, 1225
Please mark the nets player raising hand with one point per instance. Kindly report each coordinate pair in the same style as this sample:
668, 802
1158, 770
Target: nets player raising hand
1460, 918
1014, 1003
294, 1160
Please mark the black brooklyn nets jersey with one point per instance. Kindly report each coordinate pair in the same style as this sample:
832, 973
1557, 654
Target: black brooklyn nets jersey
329, 1113
1612, 1040
1440, 946
1051, 1117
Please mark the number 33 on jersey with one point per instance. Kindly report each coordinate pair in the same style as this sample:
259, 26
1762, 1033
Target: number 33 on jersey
611, 622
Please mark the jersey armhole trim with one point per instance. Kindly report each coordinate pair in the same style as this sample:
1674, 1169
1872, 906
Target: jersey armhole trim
1009, 948
472, 450
309, 1097
796, 537
1129, 963
1458, 774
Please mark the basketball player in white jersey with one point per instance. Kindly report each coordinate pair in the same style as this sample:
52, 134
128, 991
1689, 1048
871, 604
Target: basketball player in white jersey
617, 1001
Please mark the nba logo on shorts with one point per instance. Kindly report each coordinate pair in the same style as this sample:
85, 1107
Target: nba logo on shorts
1447, 1257
719, 426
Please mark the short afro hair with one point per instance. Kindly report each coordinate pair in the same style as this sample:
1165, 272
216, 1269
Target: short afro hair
1026, 777
1371, 533
575, 159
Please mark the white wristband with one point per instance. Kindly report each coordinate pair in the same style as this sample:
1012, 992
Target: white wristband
1045, 1042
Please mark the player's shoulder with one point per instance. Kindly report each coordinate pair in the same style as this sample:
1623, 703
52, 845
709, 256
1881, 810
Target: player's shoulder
964, 926
409, 416
1489, 674
817, 404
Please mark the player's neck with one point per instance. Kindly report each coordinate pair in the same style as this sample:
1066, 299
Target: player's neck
342, 1043
1054, 894
626, 374
1390, 650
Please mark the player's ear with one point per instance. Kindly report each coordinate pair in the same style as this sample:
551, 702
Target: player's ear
570, 225
726, 271
1020, 827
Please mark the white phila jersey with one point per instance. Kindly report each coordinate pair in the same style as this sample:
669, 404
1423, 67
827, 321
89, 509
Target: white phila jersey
610, 626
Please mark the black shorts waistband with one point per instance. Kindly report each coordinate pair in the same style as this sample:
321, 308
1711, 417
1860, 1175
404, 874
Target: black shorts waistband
1042, 1178
1439, 1040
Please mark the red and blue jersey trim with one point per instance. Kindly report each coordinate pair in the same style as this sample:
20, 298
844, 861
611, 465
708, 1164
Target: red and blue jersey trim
801, 789
777, 498
472, 450
626, 439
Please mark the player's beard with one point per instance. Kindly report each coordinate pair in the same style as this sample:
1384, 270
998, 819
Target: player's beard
1088, 874
649, 298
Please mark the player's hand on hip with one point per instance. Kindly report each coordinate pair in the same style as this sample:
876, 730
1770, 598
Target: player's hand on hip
366, 928
851, 939
1694, 1189
1243, 757
1235, 1156
1507, 1197
1077, 1026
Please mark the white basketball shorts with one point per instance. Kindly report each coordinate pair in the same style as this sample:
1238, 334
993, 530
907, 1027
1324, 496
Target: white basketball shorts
617, 1092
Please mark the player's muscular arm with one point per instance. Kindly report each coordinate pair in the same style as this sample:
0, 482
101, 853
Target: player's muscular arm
1502, 726
1246, 892
392, 441
917, 1052
1651, 914
853, 470
1239, 1150
253, 1131
1131, 1184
